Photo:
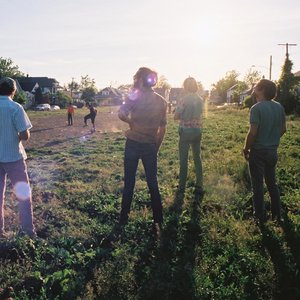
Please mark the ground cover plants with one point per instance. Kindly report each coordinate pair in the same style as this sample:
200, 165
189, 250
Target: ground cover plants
210, 248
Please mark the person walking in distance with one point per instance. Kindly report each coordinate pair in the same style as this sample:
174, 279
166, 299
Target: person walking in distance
189, 113
145, 112
14, 128
267, 125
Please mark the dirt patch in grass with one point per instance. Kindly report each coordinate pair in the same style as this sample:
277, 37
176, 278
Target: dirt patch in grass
50, 129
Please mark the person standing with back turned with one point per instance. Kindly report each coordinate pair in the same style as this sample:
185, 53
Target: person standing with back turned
189, 113
267, 125
14, 128
145, 112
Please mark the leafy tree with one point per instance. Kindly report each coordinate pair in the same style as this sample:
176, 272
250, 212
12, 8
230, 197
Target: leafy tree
220, 88
38, 96
241, 87
73, 86
163, 83
252, 77
88, 94
8, 69
287, 94
63, 99
88, 88
20, 97
248, 102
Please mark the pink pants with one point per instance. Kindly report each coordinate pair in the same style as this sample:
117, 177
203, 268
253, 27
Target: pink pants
17, 173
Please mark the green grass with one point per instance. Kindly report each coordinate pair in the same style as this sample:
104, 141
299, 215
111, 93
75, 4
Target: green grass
209, 249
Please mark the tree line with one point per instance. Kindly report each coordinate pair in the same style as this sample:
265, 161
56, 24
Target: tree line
288, 85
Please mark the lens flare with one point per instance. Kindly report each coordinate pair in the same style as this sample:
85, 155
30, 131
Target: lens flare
22, 190
134, 94
151, 79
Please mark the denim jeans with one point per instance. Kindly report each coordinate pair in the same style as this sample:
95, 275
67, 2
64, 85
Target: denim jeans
190, 137
262, 164
17, 173
148, 154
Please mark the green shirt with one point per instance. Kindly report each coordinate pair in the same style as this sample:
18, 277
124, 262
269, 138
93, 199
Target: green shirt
269, 117
190, 111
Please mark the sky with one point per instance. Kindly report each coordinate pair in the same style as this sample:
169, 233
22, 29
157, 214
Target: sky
108, 40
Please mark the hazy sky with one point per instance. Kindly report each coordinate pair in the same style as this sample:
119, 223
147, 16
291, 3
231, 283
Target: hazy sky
110, 39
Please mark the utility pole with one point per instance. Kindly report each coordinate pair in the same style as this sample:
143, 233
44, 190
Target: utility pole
287, 48
270, 68
72, 86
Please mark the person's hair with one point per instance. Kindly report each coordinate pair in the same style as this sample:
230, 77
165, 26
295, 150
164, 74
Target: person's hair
148, 76
269, 88
190, 85
7, 86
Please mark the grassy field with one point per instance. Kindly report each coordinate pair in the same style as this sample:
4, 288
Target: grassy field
209, 249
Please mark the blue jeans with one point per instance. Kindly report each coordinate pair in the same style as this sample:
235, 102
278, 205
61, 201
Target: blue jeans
262, 164
148, 154
190, 137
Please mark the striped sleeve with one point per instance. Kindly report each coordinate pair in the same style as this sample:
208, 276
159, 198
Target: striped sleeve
21, 120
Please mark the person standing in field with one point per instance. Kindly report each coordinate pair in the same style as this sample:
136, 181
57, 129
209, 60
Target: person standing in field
189, 113
145, 112
14, 128
91, 115
267, 125
70, 111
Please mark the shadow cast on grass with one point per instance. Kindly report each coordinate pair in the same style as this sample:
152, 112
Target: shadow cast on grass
287, 279
170, 275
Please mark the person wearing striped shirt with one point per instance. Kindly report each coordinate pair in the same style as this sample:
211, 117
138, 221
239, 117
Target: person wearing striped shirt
14, 128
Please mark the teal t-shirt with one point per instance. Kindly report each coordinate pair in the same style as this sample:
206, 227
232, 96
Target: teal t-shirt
191, 109
269, 116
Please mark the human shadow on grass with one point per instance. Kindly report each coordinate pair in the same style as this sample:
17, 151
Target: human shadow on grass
292, 238
171, 272
287, 277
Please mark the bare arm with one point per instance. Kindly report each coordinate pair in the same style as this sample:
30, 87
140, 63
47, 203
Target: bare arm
283, 129
122, 116
160, 136
24, 135
250, 138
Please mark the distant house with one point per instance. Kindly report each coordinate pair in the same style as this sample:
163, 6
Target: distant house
48, 87
29, 92
230, 93
243, 95
163, 92
109, 96
175, 95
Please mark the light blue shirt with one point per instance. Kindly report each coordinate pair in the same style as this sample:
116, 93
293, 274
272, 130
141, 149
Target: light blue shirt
13, 120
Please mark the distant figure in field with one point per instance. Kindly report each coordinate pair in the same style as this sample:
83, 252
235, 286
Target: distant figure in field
145, 112
189, 112
91, 115
267, 125
14, 128
70, 111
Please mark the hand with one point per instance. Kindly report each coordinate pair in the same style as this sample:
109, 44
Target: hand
246, 153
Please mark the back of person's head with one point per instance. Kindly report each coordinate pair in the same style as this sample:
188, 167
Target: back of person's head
7, 86
269, 88
190, 85
148, 76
